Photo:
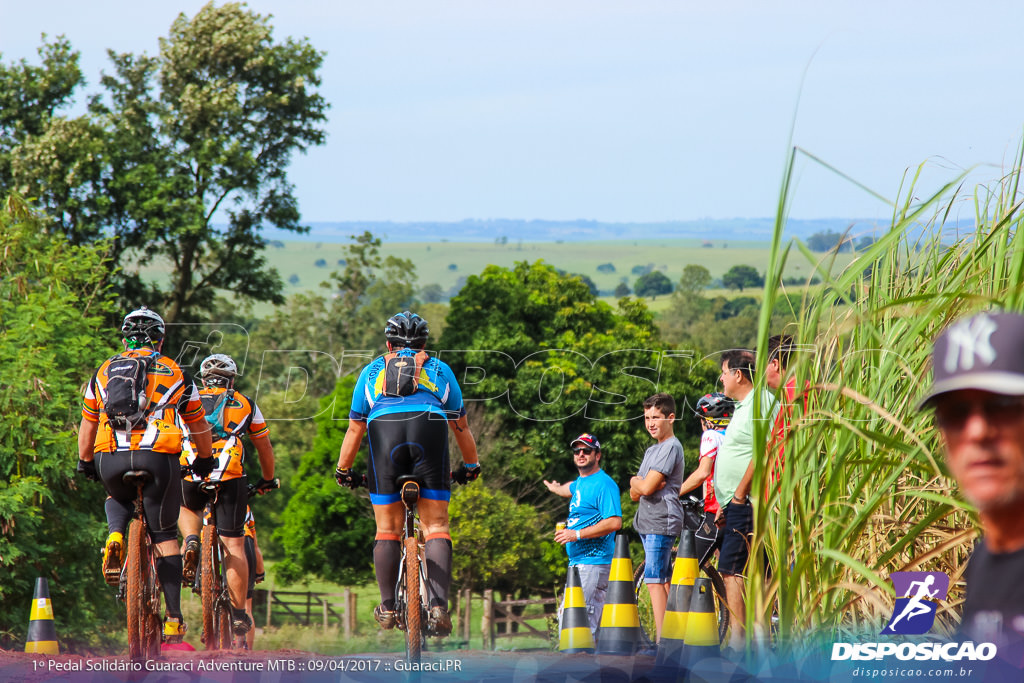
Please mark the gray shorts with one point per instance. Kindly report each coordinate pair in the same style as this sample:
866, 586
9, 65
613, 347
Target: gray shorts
594, 579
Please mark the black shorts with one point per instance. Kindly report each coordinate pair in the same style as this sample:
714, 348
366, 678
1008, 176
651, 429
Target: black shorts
161, 497
232, 500
739, 527
408, 443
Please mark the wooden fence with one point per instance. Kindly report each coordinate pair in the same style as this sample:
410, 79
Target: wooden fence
498, 619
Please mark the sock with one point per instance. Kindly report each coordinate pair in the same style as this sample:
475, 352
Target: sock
118, 515
439, 570
168, 572
386, 556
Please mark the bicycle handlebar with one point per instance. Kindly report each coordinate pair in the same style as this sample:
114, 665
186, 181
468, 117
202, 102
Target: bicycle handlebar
264, 486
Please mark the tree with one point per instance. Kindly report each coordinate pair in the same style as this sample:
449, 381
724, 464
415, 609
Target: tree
622, 289
694, 281
652, 284
178, 143
827, 241
741, 276
52, 337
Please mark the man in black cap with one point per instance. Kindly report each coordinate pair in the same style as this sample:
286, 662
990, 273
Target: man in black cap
978, 397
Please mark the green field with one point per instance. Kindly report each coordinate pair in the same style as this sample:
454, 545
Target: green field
444, 263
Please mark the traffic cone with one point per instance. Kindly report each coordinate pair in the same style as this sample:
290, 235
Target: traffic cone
702, 624
673, 629
575, 635
42, 636
620, 621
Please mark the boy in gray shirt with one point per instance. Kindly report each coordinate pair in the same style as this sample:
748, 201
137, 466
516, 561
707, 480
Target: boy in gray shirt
659, 518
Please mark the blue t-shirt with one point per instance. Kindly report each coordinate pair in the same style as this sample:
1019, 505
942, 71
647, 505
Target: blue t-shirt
593, 498
437, 392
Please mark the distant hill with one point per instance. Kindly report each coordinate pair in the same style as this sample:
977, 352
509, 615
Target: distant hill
513, 230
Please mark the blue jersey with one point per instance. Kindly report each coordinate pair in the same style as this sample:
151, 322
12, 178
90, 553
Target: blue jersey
593, 498
437, 392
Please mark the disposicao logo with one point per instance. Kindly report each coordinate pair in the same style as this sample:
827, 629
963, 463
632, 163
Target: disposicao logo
914, 612
917, 599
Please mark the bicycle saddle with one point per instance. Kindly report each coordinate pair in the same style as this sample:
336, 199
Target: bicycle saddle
136, 477
410, 485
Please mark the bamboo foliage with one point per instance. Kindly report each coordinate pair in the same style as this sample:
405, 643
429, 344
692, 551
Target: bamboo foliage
864, 490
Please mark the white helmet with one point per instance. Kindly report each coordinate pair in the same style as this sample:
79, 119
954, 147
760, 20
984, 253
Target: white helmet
218, 370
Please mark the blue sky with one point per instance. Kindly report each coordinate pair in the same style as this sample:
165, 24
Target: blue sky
618, 111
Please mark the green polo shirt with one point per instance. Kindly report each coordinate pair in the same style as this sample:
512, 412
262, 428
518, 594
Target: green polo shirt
738, 443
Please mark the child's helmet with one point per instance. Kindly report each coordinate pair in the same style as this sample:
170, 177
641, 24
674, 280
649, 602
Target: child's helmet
717, 408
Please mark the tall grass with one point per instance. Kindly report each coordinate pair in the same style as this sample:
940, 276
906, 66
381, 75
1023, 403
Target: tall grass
865, 490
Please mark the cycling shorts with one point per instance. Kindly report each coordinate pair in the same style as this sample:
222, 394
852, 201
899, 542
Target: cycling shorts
408, 443
232, 499
161, 497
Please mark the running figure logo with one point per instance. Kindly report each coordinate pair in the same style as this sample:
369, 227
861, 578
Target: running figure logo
917, 599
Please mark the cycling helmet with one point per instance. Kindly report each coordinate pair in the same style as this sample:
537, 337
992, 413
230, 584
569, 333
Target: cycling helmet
143, 326
717, 408
406, 329
218, 370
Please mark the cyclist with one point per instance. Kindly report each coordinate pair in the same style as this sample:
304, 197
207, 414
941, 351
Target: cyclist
231, 415
405, 401
715, 411
111, 442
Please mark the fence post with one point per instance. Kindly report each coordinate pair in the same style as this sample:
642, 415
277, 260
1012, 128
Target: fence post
467, 599
270, 604
309, 608
323, 601
487, 620
349, 613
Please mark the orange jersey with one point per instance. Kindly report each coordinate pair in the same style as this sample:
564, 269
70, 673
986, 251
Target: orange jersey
249, 529
231, 417
170, 394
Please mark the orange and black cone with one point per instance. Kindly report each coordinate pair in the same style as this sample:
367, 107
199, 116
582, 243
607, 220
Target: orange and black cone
702, 623
575, 635
673, 629
42, 635
620, 622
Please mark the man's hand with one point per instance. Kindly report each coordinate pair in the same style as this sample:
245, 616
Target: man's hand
563, 536
466, 473
720, 518
88, 468
553, 486
346, 477
201, 467
634, 495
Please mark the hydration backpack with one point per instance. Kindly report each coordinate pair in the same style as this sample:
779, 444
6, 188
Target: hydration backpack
402, 373
213, 406
126, 400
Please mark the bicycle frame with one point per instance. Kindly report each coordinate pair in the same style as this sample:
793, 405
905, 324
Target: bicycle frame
411, 599
213, 584
138, 585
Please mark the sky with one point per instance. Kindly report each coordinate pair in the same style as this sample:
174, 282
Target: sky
624, 111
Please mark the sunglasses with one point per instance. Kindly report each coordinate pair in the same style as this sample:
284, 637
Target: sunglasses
997, 410
580, 449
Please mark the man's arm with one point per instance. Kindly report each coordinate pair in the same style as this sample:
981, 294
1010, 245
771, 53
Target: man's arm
464, 439
743, 488
87, 439
558, 489
699, 476
654, 481
266, 454
350, 444
608, 525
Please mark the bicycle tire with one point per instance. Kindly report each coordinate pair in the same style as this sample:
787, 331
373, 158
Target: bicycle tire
643, 603
413, 609
208, 588
135, 598
152, 631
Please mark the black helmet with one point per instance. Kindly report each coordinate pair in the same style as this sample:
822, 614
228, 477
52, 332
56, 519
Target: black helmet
143, 326
218, 370
407, 329
716, 407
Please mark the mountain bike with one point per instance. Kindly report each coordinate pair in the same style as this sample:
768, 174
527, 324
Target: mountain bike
693, 520
138, 586
212, 578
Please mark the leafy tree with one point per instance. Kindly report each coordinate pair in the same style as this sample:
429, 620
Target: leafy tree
326, 531
740, 276
203, 130
432, 293
606, 268
52, 337
642, 270
827, 241
694, 281
588, 282
652, 284
622, 289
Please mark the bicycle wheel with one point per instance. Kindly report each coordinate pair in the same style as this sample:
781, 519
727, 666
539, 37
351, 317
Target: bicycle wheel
208, 587
643, 604
152, 630
413, 610
135, 598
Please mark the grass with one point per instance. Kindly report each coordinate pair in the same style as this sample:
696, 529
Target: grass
865, 491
